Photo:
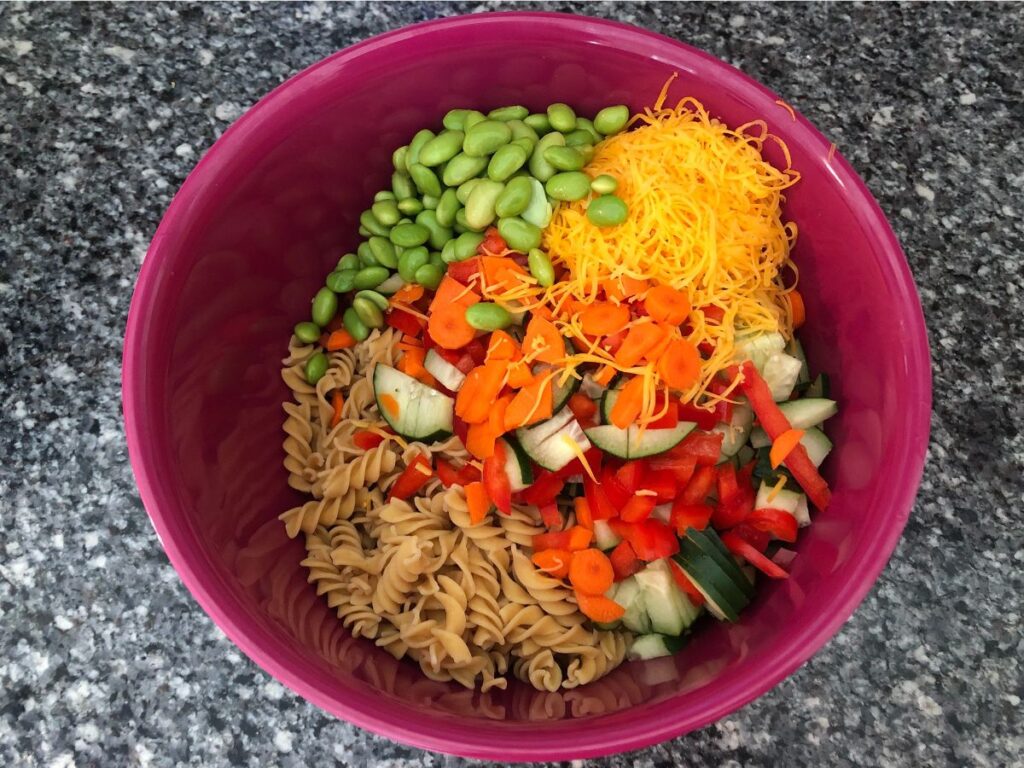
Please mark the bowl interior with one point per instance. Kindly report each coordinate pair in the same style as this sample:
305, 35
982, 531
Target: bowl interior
269, 210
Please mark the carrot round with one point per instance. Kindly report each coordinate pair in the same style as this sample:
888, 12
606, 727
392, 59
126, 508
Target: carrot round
796, 308
554, 562
638, 342
591, 572
629, 403
667, 305
583, 517
477, 502
679, 365
783, 445
543, 342
531, 404
448, 326
599, 608
340, 339
603, 317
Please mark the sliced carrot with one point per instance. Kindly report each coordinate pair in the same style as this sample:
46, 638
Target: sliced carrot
543, 341
599, 608
448, 327
583, 516
337, 403
390, 404
605, 375
591, 572
679, 366
500, 272
623, 287
582, 407
340, 339
667, 305
451, 291
641, 338
602, 318
796, 306
503, 347
477, 502
480, 440
554, 562
531, 404
519, 375
407, 294
476, 397
653, 355
579, 537
783, 445
629, 403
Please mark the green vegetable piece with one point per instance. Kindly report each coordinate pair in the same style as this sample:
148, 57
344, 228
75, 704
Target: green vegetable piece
348, 261
520, 235
455, 119
473, 117
448, 252
480, 206
325, 306
580, 138
564, 158
384, 252
540, 168
527, 144
604, 184
485, 316
409, 235
607, 211
368, 220
506, 161
398, 158
562, 117
369, 277
582, 124
430, 202
438, 235
410, 206
514, 198
342, 280
354, 325
436, 260
416, 146
539, 122
363, 231
411, 260
386, 212
425, 180
402, 186
379, 299
366, 257
611, 120
505, 114
447, 206
462, 168
540, 267
429, 276
441, 148
568, 186
485, 137
539, 211
368, 312
384, 194
521, 130
316, 367
466, 245
307, 332
465, 190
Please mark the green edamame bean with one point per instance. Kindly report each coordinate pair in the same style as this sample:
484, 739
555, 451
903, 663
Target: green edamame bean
354, 325
448, 252
411, 260
436, 260
526, 143
402, 185
539, 122
348, 261
410, 206
465, 190
485, 137
398, 158
325, 306
480, 206
409, 235
540, 267
429, 276
466, 245
384, 252
441, 148
583, 124
485, 316
578, 138
342, 280
538, 212
462, 168
514, 198
430, 202
384, 194
370, 277
307, 332
366, 257
506, 161
455, 119
611, 120
505, 114
521, 130
562, 117
607, 211
520, 235
363, 231
438, 235
462, 223
425, 180
368, 220
379, 299
570, 185
473, 116
316, 367
386, 212
540, 168
564, 158
416, 146
447, 205
604, 184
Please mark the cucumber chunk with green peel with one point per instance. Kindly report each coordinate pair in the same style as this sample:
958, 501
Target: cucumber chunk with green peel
423, 413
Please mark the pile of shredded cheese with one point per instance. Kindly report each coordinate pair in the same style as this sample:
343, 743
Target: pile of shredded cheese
705, 217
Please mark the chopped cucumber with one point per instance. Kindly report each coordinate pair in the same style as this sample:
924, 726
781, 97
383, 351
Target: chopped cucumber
802, 512
555, 442
780, 372
735, 433
814, 440
757, 348
786, 500
631, 443
424, 414
561, 392
723, 591
630, 595
669, 609
808, 411
517, 465
604, 536
446, 373
654, 646
796, 349
709, 543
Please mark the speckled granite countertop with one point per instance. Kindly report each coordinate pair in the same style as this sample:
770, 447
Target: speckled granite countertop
106, 660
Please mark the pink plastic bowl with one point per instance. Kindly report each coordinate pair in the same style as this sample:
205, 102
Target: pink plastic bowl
269, 209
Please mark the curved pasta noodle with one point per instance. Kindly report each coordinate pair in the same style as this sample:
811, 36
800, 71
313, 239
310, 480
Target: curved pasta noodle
359, 472
306, 517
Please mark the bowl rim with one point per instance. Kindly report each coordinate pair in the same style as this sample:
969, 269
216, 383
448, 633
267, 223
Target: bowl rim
620, 737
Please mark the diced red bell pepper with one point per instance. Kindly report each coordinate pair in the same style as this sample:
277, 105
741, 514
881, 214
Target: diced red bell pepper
464, 271
631, 475
778, 522
759, 540
728, 489
704, 418
681, 467
594, 459
404, 321
637, 508
465, 363
738, 546
705, 447
613, 341
684, 583
545, 488
601, 508
493, 242
616, 492
551, 517
670, 418
695, 516
367, 440
650, 539
699, 487
624, 561
461, 429
496, 481
476, 350
574, 539
662, 483
733, 512
413, 477
450, 476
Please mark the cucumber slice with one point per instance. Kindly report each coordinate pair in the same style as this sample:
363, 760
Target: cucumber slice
735, 433
446, 373
561, 392
723, 595
607, 401
808, 411
604, 537
780, 372
711, 545
630, 595
802, 512
758, 348
670, 610
654, 646
424, 414
796, 349
632, 444
786, 500
517, 465
554, 443
814, 440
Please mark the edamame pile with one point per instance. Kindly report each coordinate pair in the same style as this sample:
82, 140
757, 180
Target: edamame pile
504, 169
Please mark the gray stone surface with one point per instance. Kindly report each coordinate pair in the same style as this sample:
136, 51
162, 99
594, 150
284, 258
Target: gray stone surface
106, 660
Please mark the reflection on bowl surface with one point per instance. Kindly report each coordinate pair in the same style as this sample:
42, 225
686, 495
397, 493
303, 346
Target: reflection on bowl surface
270, 209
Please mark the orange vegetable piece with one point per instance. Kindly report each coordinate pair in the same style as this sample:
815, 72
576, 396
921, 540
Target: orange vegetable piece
500, 272
591, 572
605, 375
337, 403
667, 305
519, 374
796, 306
448, 327
477, 502
679, 365
503, 347
599, 608
783, 445
407, 294
583, 516
602, 318
623, 287
340, 339
629, 403
451, 291
640, 339
389, 404
582, 407
480, 440
543, 341
579, 537
554, 562
476, 398
531, 404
